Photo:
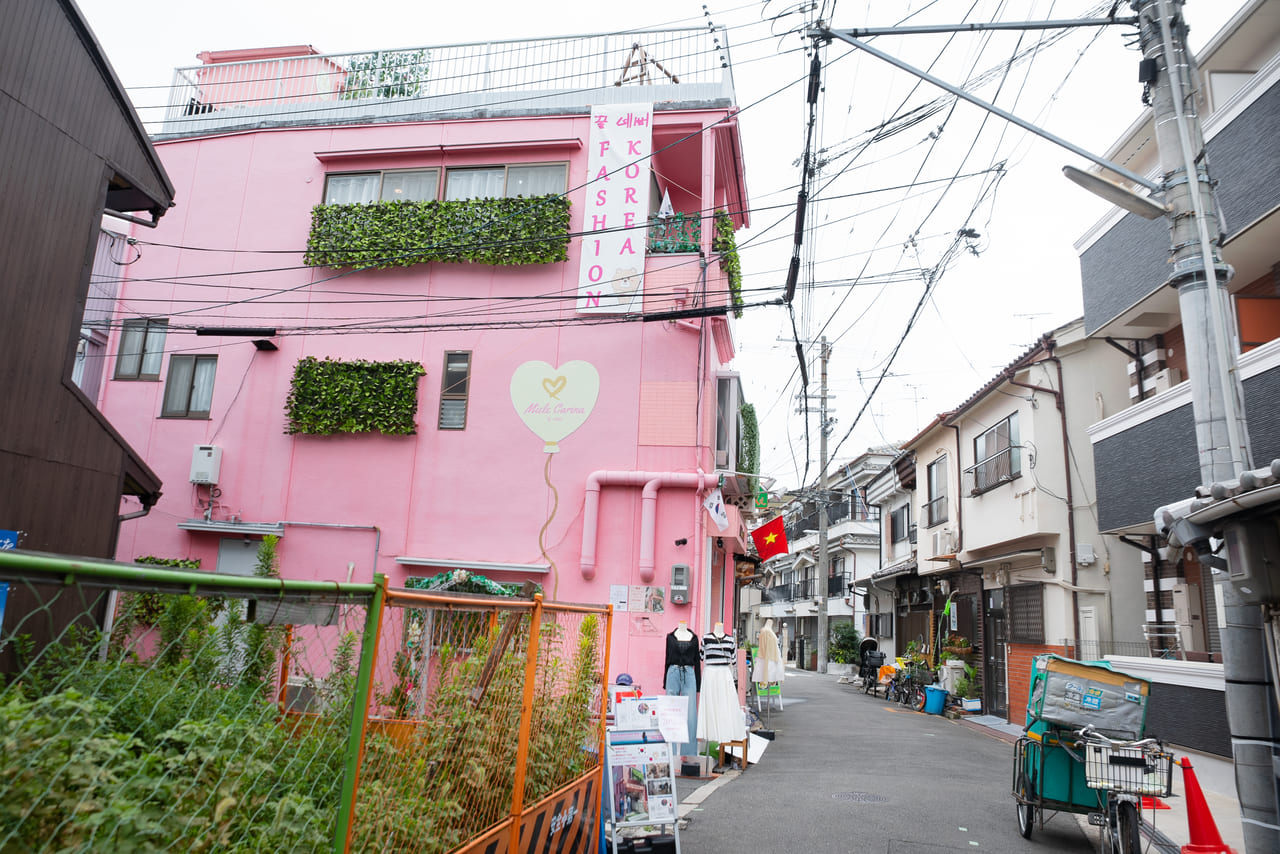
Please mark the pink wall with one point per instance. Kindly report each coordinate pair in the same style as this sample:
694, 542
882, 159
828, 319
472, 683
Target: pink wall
480, 494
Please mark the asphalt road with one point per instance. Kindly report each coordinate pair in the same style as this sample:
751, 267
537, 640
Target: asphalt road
849, 773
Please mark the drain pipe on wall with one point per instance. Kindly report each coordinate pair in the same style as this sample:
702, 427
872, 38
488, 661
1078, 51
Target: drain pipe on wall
1060, 400
1156, 562
652, 482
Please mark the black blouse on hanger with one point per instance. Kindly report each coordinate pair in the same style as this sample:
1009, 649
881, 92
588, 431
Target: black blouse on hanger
684, 653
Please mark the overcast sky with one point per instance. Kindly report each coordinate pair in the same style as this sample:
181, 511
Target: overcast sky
888, 212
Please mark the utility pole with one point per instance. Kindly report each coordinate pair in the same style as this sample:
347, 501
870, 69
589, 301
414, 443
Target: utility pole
1217, 398
824, 561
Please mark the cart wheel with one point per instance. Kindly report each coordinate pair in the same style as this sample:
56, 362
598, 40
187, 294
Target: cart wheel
1026, 812
1127, 840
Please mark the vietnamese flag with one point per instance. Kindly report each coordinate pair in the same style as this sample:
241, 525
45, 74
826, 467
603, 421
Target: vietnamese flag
770, 539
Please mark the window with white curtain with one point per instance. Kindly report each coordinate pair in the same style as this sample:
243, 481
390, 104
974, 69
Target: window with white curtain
495, 182
141, 349
188, 391
362, 188
474, 183
530, 181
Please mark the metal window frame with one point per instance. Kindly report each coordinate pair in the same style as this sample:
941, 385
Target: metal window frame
445, 394
147, 324
382, 173
506, 174
187, 412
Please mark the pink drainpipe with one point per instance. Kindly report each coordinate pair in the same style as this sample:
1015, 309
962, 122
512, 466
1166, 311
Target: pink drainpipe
652, 482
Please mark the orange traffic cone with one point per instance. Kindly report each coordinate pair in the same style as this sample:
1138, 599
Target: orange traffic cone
1205, 838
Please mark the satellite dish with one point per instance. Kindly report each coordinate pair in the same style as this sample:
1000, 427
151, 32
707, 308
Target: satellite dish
1117, 194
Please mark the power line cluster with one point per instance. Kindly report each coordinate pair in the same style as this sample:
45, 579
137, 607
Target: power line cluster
825, 168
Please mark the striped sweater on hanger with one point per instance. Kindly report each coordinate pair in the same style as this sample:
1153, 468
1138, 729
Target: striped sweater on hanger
719, 650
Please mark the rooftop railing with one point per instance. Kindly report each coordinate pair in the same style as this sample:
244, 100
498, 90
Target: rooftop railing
543, 76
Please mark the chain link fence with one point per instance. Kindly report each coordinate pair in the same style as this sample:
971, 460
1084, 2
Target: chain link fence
149, 709
481, 707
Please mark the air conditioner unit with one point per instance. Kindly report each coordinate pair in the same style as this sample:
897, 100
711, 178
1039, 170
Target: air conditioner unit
206, 463
942, 542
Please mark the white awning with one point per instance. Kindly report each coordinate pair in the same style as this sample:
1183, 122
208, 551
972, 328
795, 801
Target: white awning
476, 565
234, 529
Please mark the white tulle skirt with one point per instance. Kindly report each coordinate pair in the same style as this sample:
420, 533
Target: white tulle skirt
720, 718
768, 670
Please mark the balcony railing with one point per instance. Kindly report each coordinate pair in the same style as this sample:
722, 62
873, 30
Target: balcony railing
935, 512
999, 468
569, 72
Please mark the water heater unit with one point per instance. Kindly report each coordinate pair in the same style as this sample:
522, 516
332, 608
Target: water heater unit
206, 463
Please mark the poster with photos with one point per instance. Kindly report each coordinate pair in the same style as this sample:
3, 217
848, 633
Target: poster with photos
641, 784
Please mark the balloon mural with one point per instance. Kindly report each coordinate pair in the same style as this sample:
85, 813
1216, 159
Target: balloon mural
553, 402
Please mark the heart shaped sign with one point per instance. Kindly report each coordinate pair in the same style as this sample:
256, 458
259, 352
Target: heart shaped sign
553, 402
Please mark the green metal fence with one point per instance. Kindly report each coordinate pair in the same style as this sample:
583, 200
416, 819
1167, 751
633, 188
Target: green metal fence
144, 709
147, 709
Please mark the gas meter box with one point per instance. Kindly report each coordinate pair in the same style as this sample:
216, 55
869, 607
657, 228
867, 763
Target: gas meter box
679, 584
1072, 694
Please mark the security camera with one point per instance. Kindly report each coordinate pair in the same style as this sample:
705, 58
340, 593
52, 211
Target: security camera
682, 541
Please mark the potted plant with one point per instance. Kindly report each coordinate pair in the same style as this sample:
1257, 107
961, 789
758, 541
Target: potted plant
957, 646
966, 690
843, 649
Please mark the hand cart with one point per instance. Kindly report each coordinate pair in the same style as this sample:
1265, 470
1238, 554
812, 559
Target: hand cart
1083, 751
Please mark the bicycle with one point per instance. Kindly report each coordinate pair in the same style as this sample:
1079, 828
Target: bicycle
911, 690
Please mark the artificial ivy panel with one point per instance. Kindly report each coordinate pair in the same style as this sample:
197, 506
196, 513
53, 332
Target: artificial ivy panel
328, 396
749, 443
401, 234
727, 245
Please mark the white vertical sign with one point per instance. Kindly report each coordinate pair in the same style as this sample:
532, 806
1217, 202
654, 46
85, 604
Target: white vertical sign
615, 219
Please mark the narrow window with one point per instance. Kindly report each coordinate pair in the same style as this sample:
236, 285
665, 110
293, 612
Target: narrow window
899, 521
453, 390
936, 509
141, 350
188, 392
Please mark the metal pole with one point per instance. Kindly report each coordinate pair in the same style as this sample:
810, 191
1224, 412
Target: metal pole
526, 720
359, 717
823, 560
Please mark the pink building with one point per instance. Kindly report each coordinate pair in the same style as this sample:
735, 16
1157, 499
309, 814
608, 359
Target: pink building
572, 414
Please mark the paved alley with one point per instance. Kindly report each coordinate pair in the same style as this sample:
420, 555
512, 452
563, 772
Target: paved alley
849, 773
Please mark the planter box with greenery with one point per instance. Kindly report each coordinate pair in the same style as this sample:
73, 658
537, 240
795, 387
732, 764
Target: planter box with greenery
328, 396
401, 234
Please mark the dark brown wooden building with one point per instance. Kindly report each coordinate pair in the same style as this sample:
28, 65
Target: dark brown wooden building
71, 147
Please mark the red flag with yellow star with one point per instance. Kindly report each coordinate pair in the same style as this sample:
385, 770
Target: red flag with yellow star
770, 539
